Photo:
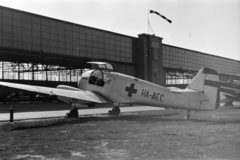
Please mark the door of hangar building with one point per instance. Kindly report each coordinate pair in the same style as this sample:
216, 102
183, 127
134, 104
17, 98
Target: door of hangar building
149, 59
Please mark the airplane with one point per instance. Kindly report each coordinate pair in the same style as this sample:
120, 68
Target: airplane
229, 92
104, 85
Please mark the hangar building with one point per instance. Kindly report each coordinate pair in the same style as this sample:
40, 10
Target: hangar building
39, 50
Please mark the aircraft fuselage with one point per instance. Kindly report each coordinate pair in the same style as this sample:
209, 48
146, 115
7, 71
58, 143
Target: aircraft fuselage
121, 88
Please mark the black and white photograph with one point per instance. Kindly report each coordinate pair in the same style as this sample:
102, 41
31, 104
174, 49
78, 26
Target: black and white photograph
119, 79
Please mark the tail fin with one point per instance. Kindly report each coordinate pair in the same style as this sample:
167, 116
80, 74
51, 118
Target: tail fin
206, 81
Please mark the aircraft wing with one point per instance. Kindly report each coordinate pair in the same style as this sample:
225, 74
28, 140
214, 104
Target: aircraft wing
231, 97
77, 94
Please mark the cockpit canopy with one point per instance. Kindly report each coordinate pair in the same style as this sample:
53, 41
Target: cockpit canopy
103, 65
97, 78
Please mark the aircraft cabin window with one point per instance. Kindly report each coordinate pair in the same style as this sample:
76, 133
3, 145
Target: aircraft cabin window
101, 66
109, 66
96, 78
105, 66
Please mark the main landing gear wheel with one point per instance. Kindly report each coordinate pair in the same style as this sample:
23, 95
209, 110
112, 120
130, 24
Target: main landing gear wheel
115, 111
73, 112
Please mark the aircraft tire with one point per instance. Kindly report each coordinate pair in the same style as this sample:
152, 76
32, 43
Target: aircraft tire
116, 111
91, 105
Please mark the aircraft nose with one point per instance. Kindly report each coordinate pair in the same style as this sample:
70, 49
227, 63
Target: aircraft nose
82, 83
79, 82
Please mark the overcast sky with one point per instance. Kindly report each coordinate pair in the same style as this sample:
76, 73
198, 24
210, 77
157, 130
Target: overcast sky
209, 26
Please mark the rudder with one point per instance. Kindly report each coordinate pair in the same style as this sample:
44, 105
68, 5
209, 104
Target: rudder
206, 81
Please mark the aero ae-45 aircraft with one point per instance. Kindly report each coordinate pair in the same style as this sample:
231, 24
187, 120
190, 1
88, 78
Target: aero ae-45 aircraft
104, 85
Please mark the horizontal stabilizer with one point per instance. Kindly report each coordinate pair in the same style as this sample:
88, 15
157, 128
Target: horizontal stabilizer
196, 95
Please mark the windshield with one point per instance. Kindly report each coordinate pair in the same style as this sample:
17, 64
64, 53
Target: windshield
87, 74
96, 78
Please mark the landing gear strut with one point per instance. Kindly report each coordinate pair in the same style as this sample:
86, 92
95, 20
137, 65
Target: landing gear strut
115, 110
188, 115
